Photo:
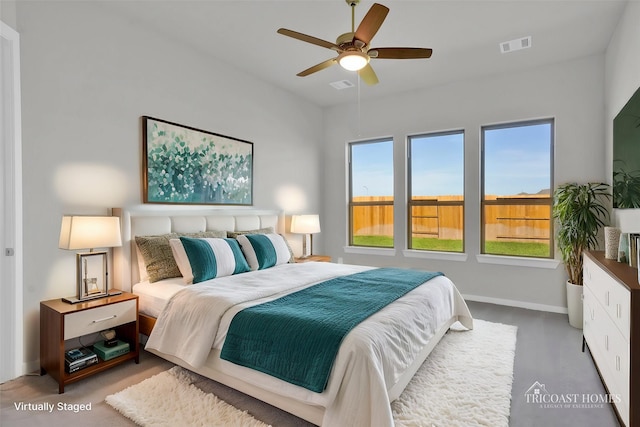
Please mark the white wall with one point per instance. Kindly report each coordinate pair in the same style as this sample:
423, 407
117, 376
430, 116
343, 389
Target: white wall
622, 79
87, 78
571, 92
8, 12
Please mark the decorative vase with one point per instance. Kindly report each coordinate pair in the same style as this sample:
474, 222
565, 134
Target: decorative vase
611, 242
574, 304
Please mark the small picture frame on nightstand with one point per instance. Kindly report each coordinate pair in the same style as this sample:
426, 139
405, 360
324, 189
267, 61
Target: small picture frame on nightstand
92, 275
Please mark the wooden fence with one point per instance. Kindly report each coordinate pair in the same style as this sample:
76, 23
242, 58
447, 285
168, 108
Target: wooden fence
506, 220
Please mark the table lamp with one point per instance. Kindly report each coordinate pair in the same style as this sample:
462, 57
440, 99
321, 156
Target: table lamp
89, 232
307, 225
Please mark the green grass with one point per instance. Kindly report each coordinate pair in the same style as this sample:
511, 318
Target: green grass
431, 244
531, 249
376, 241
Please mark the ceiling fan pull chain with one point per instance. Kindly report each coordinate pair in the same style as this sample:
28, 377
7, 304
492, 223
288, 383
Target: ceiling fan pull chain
359, 110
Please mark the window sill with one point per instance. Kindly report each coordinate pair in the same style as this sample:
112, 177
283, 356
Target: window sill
518, 261
369, 250
443, 256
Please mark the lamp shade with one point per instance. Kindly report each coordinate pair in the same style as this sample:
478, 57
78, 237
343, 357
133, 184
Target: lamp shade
353, 60
88, 232
305, 224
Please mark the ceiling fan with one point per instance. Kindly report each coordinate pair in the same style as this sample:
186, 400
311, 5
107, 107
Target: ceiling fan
353, 47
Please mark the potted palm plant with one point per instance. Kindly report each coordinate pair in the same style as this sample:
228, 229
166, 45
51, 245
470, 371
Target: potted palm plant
626, 189
580, 211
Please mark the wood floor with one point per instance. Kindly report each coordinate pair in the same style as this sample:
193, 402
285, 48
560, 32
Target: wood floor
548, 351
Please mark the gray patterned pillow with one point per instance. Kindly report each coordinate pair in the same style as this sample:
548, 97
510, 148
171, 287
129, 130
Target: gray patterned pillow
234, 234
158, 257
211, 234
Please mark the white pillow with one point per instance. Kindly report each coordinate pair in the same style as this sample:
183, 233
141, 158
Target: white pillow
180, 255
264, 250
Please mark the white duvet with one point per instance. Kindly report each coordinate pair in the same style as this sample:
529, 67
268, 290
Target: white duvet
372, 357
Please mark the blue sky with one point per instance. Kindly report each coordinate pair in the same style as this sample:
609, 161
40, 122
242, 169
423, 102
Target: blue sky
437, 165
372, 166
517, 160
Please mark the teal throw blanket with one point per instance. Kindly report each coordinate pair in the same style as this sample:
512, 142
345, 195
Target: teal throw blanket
296, 338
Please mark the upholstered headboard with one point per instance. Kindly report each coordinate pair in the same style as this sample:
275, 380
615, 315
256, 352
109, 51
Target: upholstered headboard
146, 222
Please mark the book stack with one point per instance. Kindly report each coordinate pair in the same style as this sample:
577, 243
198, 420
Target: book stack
79, 358
107, 353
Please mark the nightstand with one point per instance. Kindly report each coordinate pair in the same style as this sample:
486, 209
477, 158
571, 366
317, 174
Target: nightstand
64, 326
316, 258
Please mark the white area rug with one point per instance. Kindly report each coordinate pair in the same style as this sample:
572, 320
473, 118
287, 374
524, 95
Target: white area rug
466, 381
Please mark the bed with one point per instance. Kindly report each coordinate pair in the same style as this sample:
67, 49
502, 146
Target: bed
376, 359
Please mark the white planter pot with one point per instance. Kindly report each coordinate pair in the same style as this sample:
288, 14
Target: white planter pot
574, 304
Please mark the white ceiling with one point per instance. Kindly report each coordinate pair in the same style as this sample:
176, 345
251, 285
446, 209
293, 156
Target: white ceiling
464, 36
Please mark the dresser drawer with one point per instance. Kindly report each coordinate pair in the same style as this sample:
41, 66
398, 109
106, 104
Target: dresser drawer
609, 349
611, 307
99, 318
618, 359
614, 298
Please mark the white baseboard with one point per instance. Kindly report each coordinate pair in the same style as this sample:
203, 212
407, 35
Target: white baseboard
515, 303
31, 367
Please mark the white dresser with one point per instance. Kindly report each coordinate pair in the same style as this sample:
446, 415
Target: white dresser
612, 330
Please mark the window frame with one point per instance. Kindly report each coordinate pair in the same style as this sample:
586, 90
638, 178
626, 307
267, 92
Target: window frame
430, 202
531, 202
351, 204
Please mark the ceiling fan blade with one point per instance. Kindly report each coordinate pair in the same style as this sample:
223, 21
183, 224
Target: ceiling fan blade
309, 39
371, 23
400, 52
368, 75
317, 67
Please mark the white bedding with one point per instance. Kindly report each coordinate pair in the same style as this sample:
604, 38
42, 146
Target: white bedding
372, 358
152, 297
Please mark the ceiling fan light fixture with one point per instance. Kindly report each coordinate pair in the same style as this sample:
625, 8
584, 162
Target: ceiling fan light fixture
353, 60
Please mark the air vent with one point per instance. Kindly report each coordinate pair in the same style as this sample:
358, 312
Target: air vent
341, 84
517, 44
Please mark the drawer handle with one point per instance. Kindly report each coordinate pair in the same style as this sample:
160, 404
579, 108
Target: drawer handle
617, 363
606, 342
619, 310
105, 319
606, 298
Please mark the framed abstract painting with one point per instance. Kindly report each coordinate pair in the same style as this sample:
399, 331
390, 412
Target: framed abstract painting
185, 165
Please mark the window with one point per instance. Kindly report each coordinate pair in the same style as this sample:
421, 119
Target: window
516, 189
436, 192
371, 193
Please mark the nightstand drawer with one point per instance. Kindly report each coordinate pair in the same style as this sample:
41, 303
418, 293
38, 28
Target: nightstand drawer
99, 318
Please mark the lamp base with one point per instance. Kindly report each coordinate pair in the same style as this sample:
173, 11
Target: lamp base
304, 246
76, 300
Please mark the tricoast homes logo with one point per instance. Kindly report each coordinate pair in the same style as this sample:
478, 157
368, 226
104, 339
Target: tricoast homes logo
538, 394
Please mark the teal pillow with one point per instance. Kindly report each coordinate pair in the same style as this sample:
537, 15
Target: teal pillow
210, 258
264, 250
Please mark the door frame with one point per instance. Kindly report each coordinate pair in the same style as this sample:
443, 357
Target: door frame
12, 330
